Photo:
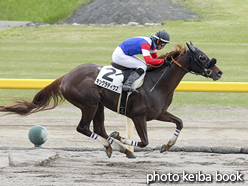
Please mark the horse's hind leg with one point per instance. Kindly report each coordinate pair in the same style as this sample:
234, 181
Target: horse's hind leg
99, 129
98, 126
84, 128
78, 88
88, 101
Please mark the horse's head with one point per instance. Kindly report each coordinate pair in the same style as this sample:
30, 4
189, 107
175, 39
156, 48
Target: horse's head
199, 63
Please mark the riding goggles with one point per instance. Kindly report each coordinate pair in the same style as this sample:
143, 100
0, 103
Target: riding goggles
162, 44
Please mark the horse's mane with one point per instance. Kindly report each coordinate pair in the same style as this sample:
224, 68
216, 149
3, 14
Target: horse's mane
179, 50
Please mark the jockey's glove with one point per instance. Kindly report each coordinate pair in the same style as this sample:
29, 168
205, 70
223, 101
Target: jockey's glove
167, 63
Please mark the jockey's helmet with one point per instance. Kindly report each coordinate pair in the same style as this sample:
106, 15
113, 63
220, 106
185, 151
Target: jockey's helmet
162, 36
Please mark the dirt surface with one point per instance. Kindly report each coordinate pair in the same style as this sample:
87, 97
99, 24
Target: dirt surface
123, 12
69, 158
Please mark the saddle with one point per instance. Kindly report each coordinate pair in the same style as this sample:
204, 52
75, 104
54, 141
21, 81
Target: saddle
124, 94
149, 67
112, 78
126, 71
119, 66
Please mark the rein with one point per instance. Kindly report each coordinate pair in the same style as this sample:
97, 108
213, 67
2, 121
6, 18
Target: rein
178, 64
157, 66
165, 70
159, 79
161, 75
206, 73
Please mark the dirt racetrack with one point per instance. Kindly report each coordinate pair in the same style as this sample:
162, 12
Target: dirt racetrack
69, 158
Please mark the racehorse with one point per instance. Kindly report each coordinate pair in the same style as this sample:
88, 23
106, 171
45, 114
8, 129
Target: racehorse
152, 102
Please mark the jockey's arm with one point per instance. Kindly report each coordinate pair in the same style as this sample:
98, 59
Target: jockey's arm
154, 54
145, 47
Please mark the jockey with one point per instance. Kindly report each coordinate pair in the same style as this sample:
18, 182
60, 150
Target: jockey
124, 55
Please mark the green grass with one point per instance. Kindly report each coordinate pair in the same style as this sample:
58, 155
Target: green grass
48, 11
49, 52
219, 11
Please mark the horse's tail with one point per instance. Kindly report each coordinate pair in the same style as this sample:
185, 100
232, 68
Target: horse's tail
47, 98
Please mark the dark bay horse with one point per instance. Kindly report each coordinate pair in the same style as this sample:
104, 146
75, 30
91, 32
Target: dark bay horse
151, 103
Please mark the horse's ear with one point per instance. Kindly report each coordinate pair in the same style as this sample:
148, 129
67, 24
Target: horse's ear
191, 46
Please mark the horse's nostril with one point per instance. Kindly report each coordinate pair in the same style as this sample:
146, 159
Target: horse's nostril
220, 73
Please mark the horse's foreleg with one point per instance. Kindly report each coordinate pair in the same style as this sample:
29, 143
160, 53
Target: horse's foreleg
120, 147
171, 142
123, 140
171, 118
141, 128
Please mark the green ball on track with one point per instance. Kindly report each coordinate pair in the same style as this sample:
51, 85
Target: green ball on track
38, 135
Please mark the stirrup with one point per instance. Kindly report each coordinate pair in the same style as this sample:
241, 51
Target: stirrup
129, 89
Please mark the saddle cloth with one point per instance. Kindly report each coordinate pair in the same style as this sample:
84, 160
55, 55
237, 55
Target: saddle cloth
112, 79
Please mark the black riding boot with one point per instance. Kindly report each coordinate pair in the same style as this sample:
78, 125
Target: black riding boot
134, 76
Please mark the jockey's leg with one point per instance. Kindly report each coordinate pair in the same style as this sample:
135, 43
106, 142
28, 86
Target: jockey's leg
133, 77
133, 62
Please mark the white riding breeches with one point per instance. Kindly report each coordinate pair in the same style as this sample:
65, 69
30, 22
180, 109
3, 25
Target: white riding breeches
120, 58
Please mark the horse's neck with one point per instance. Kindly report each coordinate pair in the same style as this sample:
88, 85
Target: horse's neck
173, 75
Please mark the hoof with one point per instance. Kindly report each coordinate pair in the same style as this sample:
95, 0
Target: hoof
164, 148
108, 151
131, 156
114, 134
108, 154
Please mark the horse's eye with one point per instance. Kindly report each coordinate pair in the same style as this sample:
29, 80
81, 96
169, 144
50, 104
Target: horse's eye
202, 58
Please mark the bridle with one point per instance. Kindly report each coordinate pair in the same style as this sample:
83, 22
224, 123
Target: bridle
206, 72
202, 68
196, 66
